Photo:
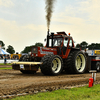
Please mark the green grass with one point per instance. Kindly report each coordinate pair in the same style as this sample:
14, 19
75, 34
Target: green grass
82, 93
6, 68
5, 64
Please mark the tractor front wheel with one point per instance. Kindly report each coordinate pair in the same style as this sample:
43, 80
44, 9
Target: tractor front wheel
52, 65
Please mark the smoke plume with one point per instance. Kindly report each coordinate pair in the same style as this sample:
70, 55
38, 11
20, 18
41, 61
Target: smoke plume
49, 11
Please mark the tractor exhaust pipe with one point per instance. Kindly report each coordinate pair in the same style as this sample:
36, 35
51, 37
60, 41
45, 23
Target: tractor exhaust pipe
52, 34
48, 38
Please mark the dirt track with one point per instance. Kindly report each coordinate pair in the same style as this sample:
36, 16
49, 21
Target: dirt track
14, 83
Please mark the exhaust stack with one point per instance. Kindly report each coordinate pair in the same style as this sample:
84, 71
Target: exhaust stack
52, 34
48, 38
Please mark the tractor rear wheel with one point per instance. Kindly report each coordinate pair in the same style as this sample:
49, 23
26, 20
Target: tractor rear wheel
52, 65
76, 62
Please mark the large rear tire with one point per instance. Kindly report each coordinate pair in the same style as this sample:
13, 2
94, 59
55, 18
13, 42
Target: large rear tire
52, 65
76, 62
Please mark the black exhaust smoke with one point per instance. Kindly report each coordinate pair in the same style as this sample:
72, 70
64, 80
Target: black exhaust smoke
49, 11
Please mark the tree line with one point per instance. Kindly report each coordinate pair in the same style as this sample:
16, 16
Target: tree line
10, 49
92, 46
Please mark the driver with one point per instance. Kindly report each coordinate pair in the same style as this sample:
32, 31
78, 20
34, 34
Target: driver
59, 42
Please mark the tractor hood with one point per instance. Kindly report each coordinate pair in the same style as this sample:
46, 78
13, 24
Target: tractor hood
41, 51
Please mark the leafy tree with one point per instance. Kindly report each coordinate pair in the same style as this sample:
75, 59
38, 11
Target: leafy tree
84, 45
10, 49
2, 44
28, 48
39, 44
78, 46
94, 46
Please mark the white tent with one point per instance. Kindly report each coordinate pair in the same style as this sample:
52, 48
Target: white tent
3, 52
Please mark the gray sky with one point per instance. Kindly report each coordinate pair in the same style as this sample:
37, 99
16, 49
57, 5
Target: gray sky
23, 23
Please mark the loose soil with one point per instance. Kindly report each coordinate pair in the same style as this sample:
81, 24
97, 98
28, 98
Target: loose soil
5, 66
14, 83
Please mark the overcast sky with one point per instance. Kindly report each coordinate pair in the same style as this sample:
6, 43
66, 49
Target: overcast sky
23, 23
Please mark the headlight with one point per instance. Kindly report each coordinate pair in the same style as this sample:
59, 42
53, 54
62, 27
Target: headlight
34, 50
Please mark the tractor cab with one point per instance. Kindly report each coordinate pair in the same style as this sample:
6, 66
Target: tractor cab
62, 42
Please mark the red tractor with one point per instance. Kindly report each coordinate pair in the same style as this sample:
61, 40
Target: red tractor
59, 54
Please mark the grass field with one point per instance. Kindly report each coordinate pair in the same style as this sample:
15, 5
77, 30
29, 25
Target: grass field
82, 93
2, 64
6, 68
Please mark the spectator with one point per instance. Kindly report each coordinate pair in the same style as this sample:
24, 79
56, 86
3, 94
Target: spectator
5, 59
1, 57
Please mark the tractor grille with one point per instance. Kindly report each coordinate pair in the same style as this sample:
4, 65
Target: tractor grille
34, 50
